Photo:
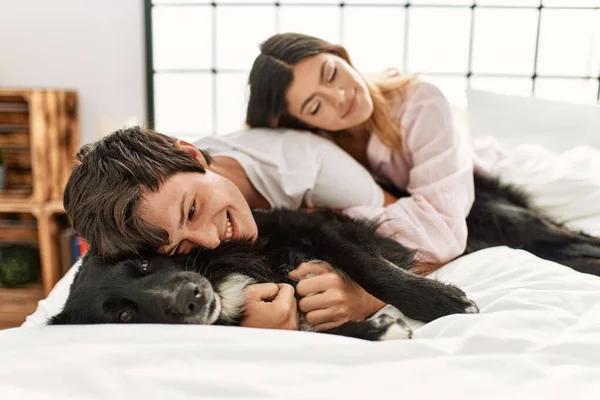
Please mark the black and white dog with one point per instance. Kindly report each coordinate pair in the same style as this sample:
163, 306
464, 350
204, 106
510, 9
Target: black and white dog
207, 287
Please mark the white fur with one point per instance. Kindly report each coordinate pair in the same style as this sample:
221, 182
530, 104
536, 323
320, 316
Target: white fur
472, 309
233, 296
396, 328
397, 331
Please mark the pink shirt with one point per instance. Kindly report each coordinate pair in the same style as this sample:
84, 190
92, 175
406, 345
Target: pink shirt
436, 168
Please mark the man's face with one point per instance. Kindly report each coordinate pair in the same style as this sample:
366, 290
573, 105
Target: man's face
198, 209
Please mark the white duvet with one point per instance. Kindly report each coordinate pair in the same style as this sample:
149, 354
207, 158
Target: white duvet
537, 336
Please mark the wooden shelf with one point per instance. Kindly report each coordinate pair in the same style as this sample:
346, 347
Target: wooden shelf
17, 139
18, 232
39, 131
12, 196
46, 123
14, 116
23, 206
17, 303
54, 207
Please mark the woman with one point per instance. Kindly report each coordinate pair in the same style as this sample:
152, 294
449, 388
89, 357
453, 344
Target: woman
401, 129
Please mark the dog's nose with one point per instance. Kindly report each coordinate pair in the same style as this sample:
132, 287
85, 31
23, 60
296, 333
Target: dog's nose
189, 299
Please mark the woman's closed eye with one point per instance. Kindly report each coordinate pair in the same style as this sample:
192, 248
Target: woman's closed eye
315, 109
333, 75
317, 105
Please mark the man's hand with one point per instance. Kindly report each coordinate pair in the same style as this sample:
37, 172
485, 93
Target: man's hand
328, 300
271, 306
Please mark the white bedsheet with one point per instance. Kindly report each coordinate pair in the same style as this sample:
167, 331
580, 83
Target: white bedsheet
537, 337
565, 186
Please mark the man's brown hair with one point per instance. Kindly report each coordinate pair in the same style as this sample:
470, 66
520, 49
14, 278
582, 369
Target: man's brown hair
103, 193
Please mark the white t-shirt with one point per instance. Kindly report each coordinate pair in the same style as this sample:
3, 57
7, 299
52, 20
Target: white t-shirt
294, 169
289, 168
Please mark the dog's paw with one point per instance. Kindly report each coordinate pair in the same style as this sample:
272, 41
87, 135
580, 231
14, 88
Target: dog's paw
455, 301
442, 300
472, 307
391, 328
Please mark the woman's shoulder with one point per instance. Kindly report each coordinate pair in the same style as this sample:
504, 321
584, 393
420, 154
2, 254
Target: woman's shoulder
426, 117
420, 97
423, 92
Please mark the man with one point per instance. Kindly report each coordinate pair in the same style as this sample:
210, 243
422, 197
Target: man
138, 190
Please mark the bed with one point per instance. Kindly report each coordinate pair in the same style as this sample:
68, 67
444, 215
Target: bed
537, 336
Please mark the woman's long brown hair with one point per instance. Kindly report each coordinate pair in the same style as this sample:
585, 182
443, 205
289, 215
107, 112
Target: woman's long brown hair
271, 76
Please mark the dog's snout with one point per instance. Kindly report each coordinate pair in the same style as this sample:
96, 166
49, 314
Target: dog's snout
190, 299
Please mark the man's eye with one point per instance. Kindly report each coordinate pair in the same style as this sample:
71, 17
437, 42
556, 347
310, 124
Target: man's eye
316, 109
333, 74
192, 211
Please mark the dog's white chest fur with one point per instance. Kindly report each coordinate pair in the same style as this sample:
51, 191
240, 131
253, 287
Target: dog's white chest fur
232, 293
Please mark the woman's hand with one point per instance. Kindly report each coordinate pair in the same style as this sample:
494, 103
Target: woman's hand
328, 300
271, 306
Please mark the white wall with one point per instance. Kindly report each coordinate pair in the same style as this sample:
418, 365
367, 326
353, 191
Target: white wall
93, 46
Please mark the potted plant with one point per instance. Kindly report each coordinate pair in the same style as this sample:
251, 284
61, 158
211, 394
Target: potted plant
19, 265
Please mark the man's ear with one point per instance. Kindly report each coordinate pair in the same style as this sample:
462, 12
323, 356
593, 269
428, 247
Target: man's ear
192, 151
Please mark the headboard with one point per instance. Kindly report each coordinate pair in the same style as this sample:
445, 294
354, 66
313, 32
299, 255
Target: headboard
199, 52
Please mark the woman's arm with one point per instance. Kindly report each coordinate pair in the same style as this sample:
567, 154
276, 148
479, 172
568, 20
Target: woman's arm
433, 219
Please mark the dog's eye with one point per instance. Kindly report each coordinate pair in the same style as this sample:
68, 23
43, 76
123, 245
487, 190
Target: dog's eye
125, 316
145, 265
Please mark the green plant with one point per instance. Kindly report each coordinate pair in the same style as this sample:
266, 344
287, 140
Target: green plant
19, 265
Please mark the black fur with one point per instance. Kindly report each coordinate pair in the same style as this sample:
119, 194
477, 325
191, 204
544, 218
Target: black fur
502, 215
182, 289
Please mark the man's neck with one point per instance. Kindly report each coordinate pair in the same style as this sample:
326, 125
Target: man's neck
229, 168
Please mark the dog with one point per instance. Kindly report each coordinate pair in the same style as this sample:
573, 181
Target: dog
207, 286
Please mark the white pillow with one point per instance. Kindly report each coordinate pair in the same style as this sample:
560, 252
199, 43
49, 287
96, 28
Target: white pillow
515, 120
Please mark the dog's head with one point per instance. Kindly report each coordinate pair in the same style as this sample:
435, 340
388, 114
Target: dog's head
153, 289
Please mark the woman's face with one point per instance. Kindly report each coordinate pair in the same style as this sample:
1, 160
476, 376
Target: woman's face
327, 93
